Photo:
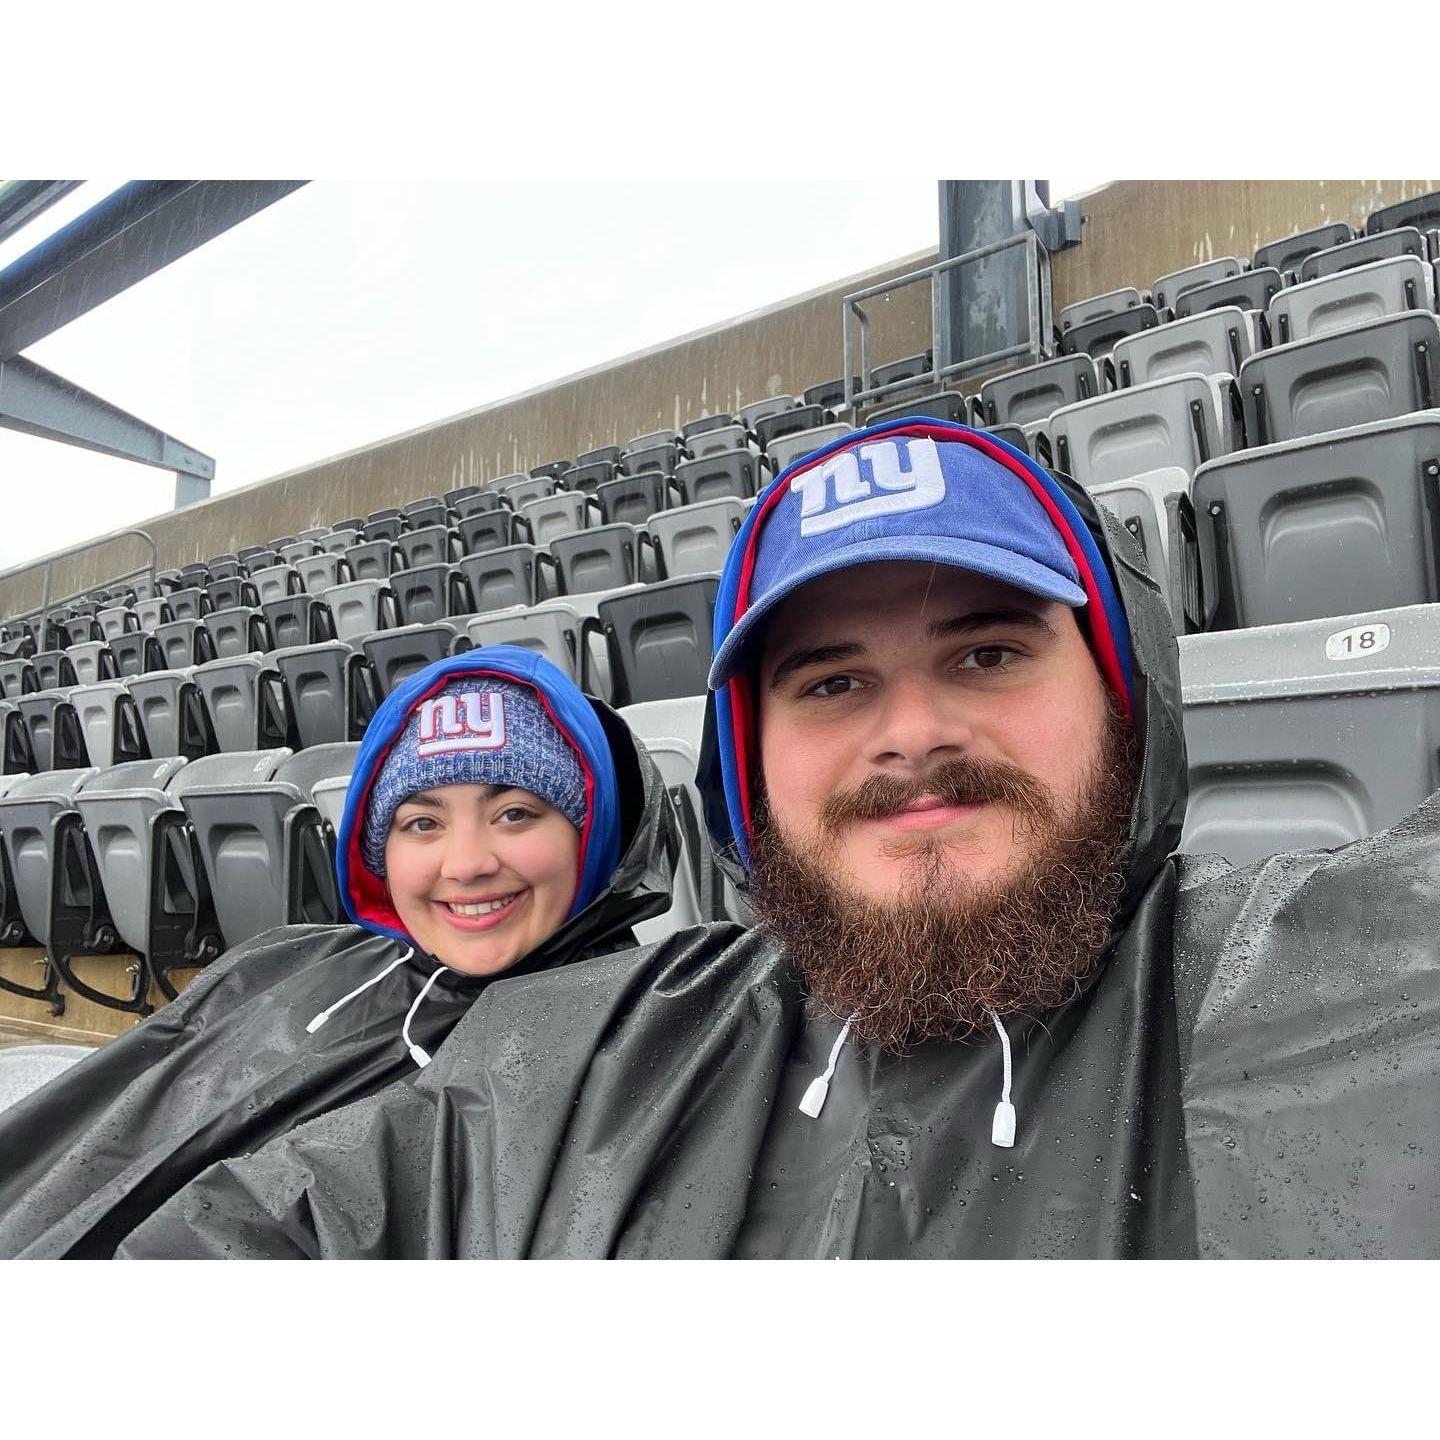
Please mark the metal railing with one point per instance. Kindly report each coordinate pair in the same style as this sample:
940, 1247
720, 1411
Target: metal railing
49, 602
1037, 303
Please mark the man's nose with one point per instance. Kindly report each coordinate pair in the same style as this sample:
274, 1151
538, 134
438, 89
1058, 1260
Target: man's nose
470, 853
919, 722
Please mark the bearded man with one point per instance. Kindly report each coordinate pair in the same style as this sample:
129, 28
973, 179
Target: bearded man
987, 1010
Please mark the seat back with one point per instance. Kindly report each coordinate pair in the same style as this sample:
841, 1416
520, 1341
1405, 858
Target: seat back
54, 668
189, 603
373, 559
397, 654
695, 539
552, 629
596, 559
28, 811
790, 422
1374, 371
359, 607
329, 691
17, 677
109, 723
633, 499
172, 713
485, 530
1178, 421
240, 631
228, 593
136, 653
714, 476
1251, 290
185, 643
497, 578
757, 410
297, 620
1098, 337
1421, 211
246, 702
1143, 505
1097, 307
92, 661
560, 514
427, 545
320, 572
654, 459
1216, 342
1342, 522
1289, 254
659, 639
720, 441
1037, 391
56, 741
1385, 246
427, 593
1350, 297
783, 452
1169, 288
277, 581
1280, 727
521, 492
153, 613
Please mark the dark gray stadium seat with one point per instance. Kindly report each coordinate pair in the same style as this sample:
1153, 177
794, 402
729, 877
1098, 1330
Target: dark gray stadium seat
599, 559
241, 631
712, 477
189, 603
658, 639
1289, 254
605, 454
28, 812
1098, 337
395, 655
649, 440
486, 530
383, 527
1097, 307
555, 469
1423, 212
1373, 371
512, 575
245, 699
137, 653
1216, 342
1284, 727
17, 677
633, 499
829, 393
1350, 297
790, 422
1387, 245
428, 593
945, 405
428, 545
590, 477
792, 447
1037, 391
422, 514
16, 757
228, 594
694, 539
1253, 290
54, 669
1184, 420
912, 368
329, 691
722, 440
1169, 288
527, 488
185, 643
373, 559
297, 620
757, 410
1335, 523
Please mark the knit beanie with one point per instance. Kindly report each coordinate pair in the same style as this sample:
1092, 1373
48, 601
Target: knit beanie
476, 731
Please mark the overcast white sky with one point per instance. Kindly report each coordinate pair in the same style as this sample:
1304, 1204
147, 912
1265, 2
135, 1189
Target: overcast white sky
350, 311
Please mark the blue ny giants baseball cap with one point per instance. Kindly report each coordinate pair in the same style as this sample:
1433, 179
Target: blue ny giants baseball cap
909, 489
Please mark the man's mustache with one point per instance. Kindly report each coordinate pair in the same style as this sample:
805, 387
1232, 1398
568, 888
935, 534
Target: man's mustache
961, 780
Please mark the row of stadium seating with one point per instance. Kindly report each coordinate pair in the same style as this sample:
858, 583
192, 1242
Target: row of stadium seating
175, 751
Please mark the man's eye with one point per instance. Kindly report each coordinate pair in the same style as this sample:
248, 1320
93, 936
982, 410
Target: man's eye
988, 657
833, 685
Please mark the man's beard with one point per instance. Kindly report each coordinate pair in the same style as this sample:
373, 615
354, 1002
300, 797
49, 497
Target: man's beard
935, 961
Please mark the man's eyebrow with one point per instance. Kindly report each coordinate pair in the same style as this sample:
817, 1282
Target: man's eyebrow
989, 619
814, 655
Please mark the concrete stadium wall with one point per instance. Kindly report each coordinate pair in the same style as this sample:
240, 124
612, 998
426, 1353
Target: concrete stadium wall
1134, 231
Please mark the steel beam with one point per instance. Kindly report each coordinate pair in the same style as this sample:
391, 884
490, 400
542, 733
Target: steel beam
38, 402
129, 235
22, 200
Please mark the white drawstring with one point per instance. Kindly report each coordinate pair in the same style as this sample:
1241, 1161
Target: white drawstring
324, 1015
1002, 1129
418, 1053
819, 1087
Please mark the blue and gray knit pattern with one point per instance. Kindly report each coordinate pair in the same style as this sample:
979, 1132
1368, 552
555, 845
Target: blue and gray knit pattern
535, 756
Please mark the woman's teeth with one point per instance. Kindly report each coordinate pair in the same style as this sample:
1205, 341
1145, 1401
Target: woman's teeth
483, 907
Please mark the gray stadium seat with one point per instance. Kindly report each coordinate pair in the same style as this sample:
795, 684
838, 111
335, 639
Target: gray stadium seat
92, 660
185, 643
373, 559
276, 582
137, 653
54, 669
1289, 254
694, 539
1423, 212
790, 422
245, 699
600, 558
658, 639
718, 421
633, 499
560, 514
712, 477
153, 613
1252, 290
239, 631
17, 677
1387, 245
719, 441
320, 572
338, 541
297, 620
1373, 371
117, 620
785, 452
590, 477
512, 575
428, 593
227, 594
945, 405
486, 530
658, 459
1144, 504
28, 812
521, 492
329, 691
428, 545
1169, 288
1098, 337
1035, 392
757, 410
1350, 297
359, 607
1282, 728
649, 440
110, 723
1098, 307
1334, 523
478, 502
172, 713
553, 629
1216, 342
1184, 420
56, 741
397, 654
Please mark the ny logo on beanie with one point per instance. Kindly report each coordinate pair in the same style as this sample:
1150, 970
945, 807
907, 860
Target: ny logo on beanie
472, 721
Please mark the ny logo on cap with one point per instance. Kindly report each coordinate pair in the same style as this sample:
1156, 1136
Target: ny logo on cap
883, 478
473, 721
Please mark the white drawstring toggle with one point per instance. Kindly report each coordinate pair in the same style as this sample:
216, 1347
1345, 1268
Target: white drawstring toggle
324, 1015
418, 1053
814, 1100
1002, 1129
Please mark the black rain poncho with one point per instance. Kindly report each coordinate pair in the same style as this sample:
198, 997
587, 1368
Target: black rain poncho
1251, 1072
230, 1065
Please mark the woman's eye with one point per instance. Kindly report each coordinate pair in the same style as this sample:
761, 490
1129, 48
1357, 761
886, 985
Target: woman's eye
419, 824
988, 657
833, 685
515, 813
